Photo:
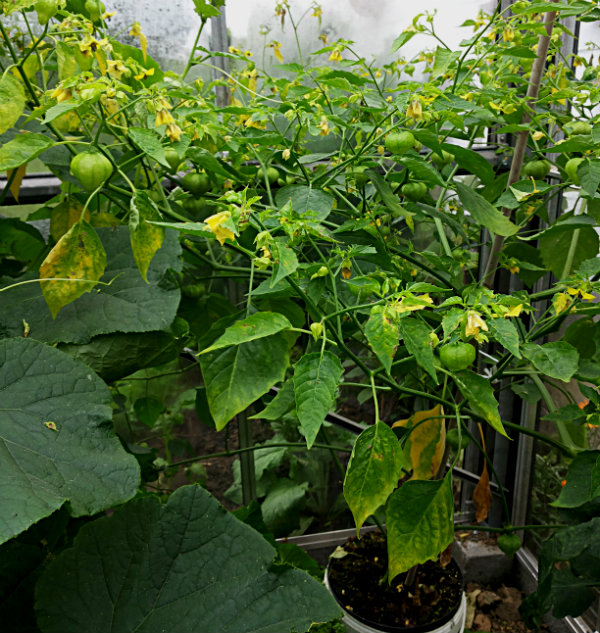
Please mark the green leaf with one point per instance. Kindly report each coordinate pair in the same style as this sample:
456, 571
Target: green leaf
589, 176
383, 334
316, 378
146, 238
12, 101
555, 247
61, 108
480, 395
237, 376
205, 9
77, 256
401, 40
148, 141
203, 158
444, 57
148, 410
114, 356
125, 52
373, 471
471, 161
420, 523
250, 328
23, 149
306, 200
127, 304
281, 507
483, 212
558, 360
415, 335
67, 64
422, 170
280, 405
505, 332
285, 261
389, 198
56, 440
583, 481
188, 562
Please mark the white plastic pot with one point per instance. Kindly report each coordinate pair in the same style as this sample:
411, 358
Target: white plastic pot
456, 624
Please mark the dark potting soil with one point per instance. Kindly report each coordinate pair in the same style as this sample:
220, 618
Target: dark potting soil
356, 580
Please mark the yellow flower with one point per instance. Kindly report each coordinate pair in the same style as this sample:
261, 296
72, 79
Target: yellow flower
324, 126
61, 94
578, 291
335, 56
136, 31
109, 14
173, 132
144, 74
536, 136
323, 38
276, 46
508, 34
415, 110
116, 68
163, 117
286, 154
215, 225
474, 324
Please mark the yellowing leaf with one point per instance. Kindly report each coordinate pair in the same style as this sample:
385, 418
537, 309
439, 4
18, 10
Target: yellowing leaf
15, 185
65, 215
146, 239
482, 496
72, 267
424, 448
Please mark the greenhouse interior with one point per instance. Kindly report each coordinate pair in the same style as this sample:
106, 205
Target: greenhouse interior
299, 316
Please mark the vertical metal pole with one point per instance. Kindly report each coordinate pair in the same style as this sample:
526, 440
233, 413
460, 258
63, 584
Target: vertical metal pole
219, 42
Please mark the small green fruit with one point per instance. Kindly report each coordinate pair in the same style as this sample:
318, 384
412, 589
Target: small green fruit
399, 142
414, 191
173, 159
578, 127
442, 160
537, 169
196, 183
457, 356
92, 169
453, 442
510, 544
571, 169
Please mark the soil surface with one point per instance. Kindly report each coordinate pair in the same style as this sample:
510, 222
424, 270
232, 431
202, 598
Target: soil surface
356, 581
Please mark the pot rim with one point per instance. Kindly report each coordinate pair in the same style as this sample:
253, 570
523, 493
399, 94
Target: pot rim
417, 628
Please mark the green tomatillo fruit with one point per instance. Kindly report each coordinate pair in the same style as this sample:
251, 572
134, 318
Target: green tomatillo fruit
196, 183
173, 159
510, 544
45, 10
457, 356
453, 442
92, 169
536, 169
414, 191
95, 9
578, 127
443, 159
271, 173
399, 142
571, 169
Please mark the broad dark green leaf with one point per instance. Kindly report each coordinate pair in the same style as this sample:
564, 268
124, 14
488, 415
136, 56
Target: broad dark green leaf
23, 149
415, 335
316, 378
589, 176
483, 212
556, 245
128, 304
422, 170
250, 328
282, 504
186, 565
471, 161
306, 200
583, 481
237, 376
12, 101
56, 441
383, 334
558, 360
505, 332
420, 523
373, 471
480, 395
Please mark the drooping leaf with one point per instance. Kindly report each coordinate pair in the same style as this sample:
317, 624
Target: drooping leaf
383, 334
73, 266
127, 304
56, 441
306, 200
425, 444
12, 101
187, 564
280, 405
483, 212
237, 376
65, 215
146, 238
316, 378
23, 149
480, 395
482, 496
250, 328
505, 332
373, 471
420, 523
558, 359
415, 335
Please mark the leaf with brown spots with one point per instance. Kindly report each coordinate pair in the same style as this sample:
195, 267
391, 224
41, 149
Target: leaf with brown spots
72, 267
64, 215
146, 238
482, 496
